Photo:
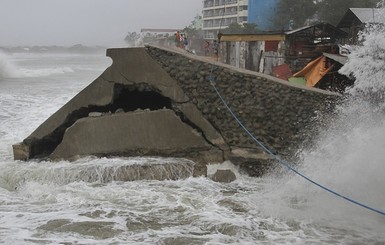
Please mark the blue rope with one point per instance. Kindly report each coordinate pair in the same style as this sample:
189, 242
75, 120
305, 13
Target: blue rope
283, 162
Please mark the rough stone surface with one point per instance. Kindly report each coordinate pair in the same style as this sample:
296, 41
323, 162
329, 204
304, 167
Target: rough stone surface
224, 176
21, 152
275, 112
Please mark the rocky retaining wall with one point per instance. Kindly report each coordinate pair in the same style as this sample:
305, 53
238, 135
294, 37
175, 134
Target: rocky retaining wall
279, 114
154, 101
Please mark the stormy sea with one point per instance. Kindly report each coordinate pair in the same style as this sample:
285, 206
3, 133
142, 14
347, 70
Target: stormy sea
69, 203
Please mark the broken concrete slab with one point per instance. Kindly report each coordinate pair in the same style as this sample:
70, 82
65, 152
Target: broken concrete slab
158, 132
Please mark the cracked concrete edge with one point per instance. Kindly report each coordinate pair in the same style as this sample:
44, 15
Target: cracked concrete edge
135, 64
98, 93
211, 134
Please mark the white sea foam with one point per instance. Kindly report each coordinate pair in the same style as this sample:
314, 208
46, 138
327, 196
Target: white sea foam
366, 63
44, 72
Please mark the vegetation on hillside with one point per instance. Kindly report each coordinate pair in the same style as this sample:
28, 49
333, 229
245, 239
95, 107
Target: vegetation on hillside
297, 13
235, 28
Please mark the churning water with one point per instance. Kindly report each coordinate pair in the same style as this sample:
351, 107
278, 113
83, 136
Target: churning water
72, 203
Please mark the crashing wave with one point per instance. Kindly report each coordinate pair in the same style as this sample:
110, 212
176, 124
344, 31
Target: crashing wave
7, 68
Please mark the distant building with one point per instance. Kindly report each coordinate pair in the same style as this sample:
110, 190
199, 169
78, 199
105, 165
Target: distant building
158, 31
219, 14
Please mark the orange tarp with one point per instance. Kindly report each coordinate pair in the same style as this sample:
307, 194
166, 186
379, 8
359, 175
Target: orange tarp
314, 71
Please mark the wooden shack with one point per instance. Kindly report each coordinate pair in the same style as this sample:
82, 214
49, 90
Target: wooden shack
309, 42
355, 20
257, 52
264, 52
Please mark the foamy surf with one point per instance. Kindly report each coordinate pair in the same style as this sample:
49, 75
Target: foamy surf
43, 72
10, 69
74, 203
94, 170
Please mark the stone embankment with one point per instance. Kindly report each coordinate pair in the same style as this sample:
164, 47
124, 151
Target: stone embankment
281, 115
159, 102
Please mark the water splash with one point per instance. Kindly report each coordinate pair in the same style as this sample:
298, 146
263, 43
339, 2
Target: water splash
366, 63
94, 170
7, 68
348, 156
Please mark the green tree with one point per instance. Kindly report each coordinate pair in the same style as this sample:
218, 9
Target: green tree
297, 13
132, 38
194, 30
233, 28
250, 28
293, 13
236, 28
191, 32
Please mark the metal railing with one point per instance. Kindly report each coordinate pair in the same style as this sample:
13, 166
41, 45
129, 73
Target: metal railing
205, 15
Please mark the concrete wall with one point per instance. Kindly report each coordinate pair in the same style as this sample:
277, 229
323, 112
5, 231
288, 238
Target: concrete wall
153, 101
111, 133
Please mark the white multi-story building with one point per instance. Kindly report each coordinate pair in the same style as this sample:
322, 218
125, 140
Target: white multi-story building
219, 14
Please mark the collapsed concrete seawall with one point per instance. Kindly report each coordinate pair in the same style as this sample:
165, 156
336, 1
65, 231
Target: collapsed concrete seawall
159, 102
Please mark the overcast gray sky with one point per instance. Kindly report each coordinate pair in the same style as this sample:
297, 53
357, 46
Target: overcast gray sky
89, 22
